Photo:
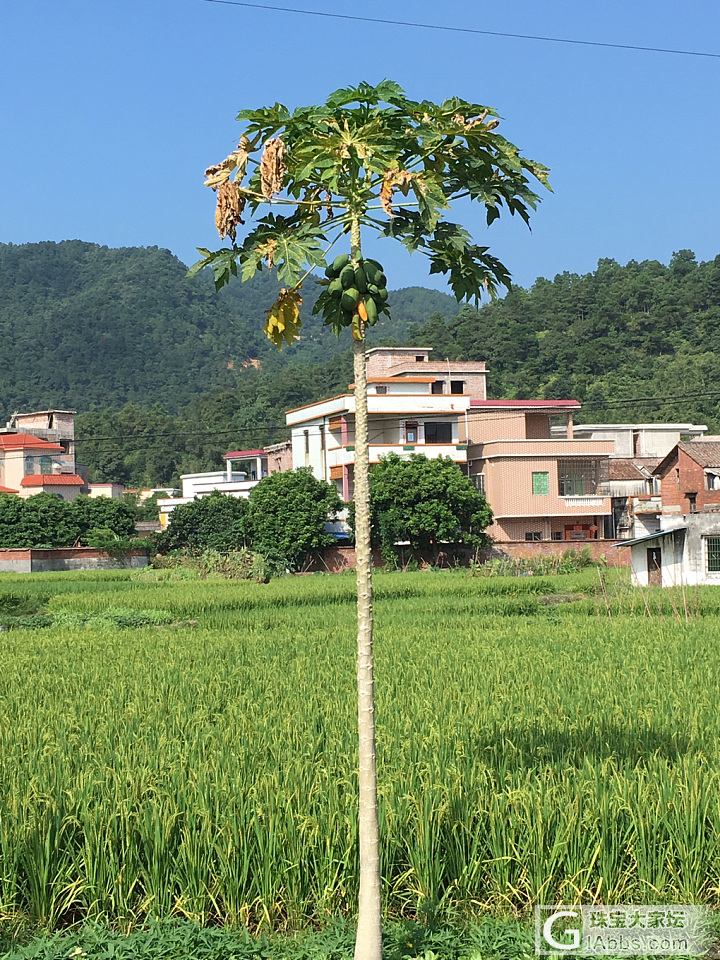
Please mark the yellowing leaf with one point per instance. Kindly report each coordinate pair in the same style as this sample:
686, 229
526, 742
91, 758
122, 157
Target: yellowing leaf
283, 318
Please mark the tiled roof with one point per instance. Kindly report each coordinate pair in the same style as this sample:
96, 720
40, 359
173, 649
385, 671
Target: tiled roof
52, 480
20, 441
624, 468
704, 452
7, 490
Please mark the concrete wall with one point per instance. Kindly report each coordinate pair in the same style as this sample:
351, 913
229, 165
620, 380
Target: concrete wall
71, 558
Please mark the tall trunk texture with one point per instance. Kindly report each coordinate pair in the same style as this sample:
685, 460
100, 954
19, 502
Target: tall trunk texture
368, 945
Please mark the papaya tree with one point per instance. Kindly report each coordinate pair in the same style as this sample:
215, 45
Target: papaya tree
310, 182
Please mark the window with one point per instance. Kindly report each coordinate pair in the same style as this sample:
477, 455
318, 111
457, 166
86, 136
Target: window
712, 481
420, 358
479, 481
692, 500
533, 535
438, 386
45, 465
380, 388
577, 478
556, 535
457, 386
713, 554
541, 484
411, 431
29, 466
438, 432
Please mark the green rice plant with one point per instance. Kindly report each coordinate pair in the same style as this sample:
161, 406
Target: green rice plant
208, 771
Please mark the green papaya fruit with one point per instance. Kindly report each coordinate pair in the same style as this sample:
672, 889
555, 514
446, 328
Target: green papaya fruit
350, 298
330, 273
372, 310
373, 289
360, 280
347, 317
371, 272
339, 262
335, 288
381, 281
383, 294
347, 276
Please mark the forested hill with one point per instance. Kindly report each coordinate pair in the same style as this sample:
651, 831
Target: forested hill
88, 327
643, 330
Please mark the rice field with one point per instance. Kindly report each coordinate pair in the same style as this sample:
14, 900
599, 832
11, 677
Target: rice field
187, 749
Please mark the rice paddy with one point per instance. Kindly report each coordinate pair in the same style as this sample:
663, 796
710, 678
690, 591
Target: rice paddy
187, 749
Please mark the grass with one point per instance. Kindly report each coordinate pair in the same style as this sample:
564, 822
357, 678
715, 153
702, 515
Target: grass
203, 768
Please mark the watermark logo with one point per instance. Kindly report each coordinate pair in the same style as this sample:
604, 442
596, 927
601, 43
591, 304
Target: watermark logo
622, 930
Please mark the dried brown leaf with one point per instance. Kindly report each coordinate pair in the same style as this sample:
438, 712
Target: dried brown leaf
272, 167
386, 192
328, 206
228, 213
237, 160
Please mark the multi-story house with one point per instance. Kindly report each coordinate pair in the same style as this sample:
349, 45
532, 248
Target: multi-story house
30, 465
542, 483
244, 469
689, 477
541, 487
631, 482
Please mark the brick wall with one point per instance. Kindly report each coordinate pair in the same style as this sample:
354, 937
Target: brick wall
685, 475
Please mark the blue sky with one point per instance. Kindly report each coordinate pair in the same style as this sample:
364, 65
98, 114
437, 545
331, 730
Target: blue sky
112, 109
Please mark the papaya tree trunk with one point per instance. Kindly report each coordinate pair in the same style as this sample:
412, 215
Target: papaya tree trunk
368, 945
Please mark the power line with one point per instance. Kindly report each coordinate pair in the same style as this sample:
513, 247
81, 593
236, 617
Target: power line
274, 428
452, 29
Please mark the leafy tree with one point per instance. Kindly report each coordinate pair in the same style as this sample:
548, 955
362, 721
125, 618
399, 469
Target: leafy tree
217, 521
425, 502
288, 512
44, 520
94, 513
347, 160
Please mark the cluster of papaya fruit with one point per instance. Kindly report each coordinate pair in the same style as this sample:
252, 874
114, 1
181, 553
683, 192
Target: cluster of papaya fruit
359, 287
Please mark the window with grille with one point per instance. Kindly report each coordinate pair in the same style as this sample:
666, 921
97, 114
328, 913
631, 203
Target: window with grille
533, 535
712, 545
577, 478
479, 480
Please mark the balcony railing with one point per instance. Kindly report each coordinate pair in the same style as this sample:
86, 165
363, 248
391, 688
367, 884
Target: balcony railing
342, 456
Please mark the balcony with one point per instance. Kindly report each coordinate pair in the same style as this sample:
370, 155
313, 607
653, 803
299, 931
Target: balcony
344, 456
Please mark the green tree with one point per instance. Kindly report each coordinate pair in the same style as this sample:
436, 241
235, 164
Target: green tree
217, 521
425, 502
93, 513
371, 158
288, 512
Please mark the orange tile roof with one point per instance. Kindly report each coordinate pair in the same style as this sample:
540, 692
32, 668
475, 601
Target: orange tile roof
52, 480
21, 441
7, 490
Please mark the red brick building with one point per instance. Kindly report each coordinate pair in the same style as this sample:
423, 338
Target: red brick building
690, 477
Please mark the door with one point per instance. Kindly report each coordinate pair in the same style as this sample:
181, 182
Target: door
654, 566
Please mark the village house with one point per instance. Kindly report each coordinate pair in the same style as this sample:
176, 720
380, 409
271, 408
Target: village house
684, 552
631, 481
37, 455
689, 477
244, 469
540, 486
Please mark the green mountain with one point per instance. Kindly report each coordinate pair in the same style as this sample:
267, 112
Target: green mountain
89, 327
622, 340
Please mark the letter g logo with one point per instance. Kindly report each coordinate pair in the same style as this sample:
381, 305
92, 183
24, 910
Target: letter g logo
548, 934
